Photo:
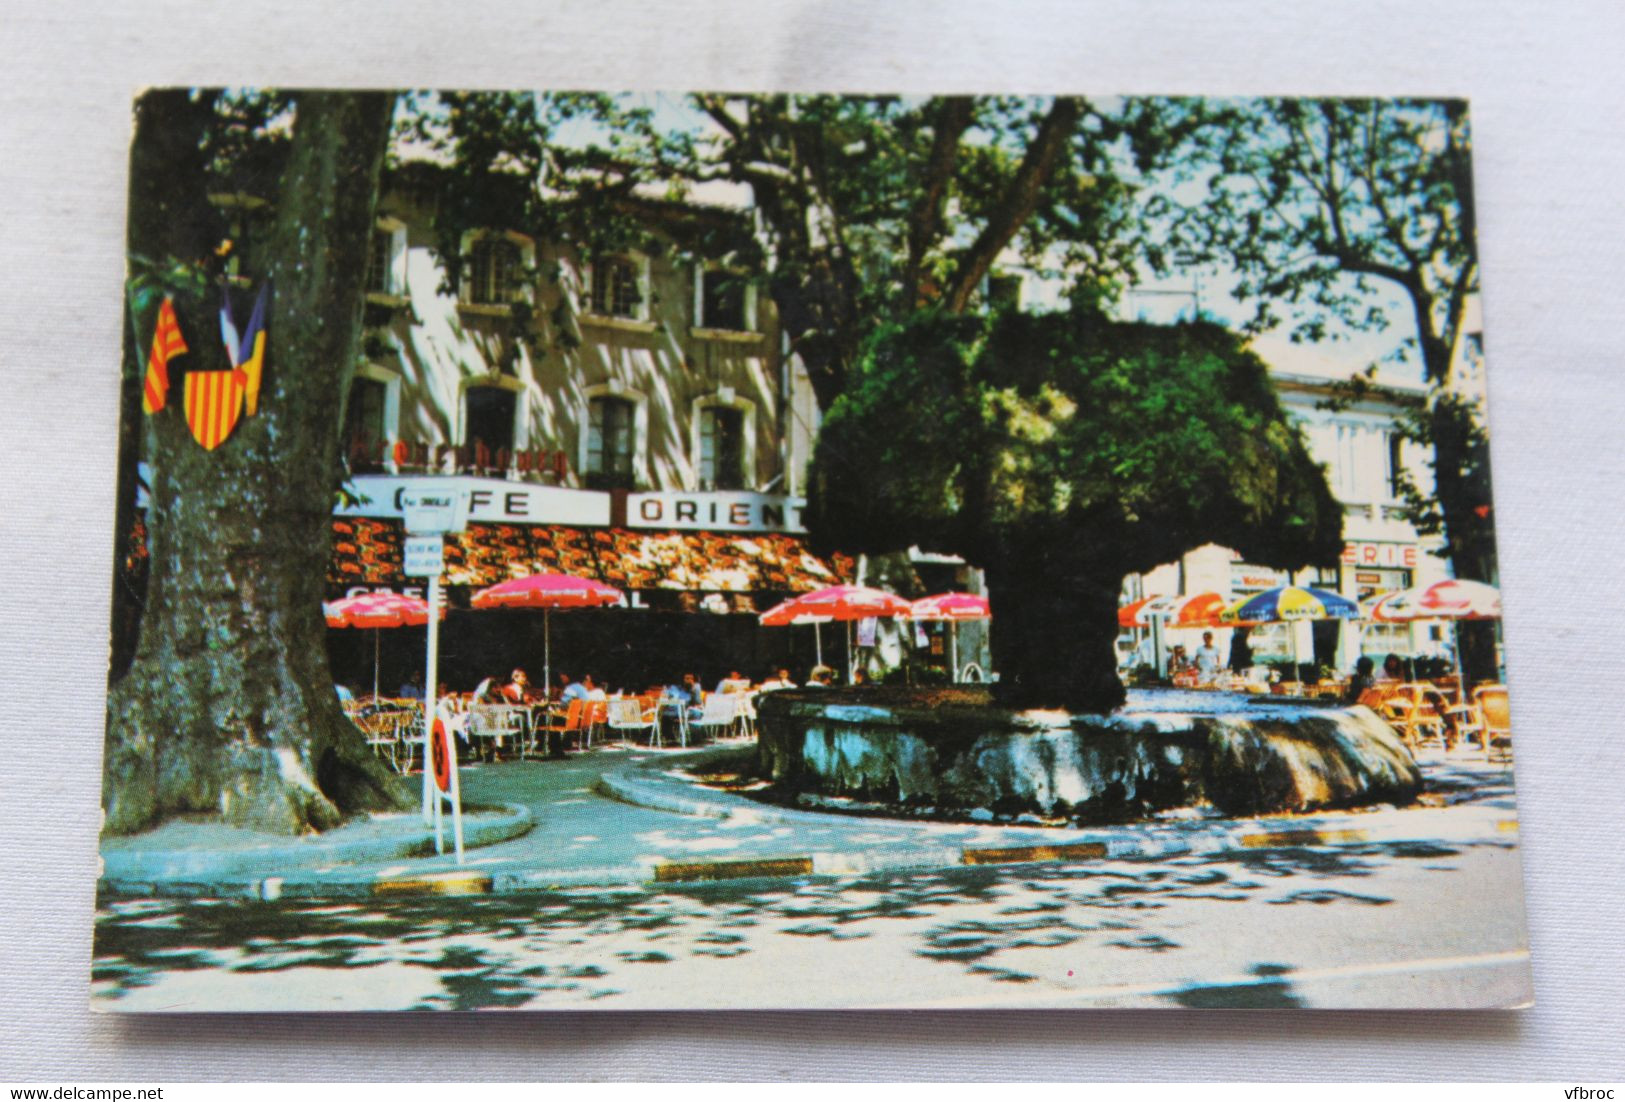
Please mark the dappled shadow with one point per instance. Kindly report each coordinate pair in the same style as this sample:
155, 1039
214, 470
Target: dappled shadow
991, 925
1266, 994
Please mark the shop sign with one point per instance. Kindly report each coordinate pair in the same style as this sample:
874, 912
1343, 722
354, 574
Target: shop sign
1369, 553
490, 500
424, 556
723, 510
1252, 579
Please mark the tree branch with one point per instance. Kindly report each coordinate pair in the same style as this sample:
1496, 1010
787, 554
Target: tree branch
954, 115
1020, 198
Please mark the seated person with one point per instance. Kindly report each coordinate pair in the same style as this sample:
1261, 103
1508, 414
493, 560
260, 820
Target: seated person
1362, 680
1393, 668
573, 690
592, 691
413, 689
779, 680
517, 690
821, 677
1177, 661
735, 682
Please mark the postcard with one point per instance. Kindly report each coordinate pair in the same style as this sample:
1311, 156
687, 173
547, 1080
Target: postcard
590, 550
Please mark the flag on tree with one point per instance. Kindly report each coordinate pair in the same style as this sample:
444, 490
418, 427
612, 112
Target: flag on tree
167, 343
214, 402
247, 351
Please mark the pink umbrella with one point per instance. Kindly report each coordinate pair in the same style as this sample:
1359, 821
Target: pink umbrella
952, 607
836, 602
1451, 599
377, 611
547, 592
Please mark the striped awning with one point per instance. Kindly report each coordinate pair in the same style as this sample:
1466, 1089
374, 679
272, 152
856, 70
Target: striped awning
367, 551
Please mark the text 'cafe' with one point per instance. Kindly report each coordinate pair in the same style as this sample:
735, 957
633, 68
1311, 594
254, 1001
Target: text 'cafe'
710, 551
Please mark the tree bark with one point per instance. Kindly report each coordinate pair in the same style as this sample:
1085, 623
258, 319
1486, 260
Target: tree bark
229, 706
1055, 648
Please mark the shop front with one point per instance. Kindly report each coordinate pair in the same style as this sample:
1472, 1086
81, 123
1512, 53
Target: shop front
696, 570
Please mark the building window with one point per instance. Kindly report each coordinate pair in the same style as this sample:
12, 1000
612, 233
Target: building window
488, 417
724, 300
609, 443
722, 448
1396, 465
366, 424
1004, 292
615, 288
494, 266
381, 262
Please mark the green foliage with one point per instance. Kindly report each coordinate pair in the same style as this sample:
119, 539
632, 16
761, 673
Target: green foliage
1124, 444
1324, 208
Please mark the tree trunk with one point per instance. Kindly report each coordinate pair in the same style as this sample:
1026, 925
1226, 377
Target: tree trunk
1056, 646
1461, 473
229, 705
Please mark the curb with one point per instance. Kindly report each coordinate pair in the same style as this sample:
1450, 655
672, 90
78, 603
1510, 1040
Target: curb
342, 872
644, 785
242, 872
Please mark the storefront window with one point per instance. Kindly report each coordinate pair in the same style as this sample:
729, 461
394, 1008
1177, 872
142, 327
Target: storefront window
609, 444
722, 448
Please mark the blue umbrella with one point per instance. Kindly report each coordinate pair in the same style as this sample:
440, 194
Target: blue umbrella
1291, 603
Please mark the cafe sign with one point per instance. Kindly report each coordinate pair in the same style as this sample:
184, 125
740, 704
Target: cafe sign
719, 511
1398, 556
489, 500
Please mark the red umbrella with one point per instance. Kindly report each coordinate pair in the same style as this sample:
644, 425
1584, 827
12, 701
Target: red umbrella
952, 607
1138, 614
547, 592
376, 611
1199, 610
836, 602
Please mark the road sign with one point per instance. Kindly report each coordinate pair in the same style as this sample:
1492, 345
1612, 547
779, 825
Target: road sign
425, 556
440, 755
431, 510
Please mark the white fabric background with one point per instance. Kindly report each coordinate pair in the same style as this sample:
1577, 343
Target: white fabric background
1546, 97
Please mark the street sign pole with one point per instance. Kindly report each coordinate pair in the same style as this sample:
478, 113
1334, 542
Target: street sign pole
433, 510
431, 690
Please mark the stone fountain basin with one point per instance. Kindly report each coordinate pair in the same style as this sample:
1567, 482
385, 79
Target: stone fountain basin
952, 751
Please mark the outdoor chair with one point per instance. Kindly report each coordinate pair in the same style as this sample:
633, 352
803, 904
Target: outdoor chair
1495, 721
570, 724
745, 714
597, 713
497, 722
676, 708
721, 712
382, 734
1412, 711
628, 715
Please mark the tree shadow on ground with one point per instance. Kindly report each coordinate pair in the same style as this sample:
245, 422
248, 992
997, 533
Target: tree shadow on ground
992, 923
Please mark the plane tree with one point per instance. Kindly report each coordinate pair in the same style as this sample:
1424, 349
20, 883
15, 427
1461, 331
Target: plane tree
227, 707
1059, 452
1355, 213
849, 209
